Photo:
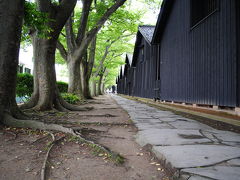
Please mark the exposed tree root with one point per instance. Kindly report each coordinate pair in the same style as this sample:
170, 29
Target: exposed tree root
99, 115
39, 139
44, 166
73, 107
29, 104
108, 108
10, 121
43, 169
94, 123
94, 102
102, 123
58, 104
113, 137
11, 133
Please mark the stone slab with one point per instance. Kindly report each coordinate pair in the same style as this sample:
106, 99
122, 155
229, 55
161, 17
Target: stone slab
235, 162
168, 137
168, 119
216, 172
185, 156
198, 178
189, 125
227, 136
142, 126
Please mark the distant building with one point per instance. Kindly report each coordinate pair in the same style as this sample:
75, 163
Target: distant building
192, 56
24, 69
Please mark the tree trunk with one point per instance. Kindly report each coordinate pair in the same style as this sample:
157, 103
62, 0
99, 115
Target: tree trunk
75, 84
102, 88
46, 75
86, 88
85, 80
94, 88
10, 33
100, 85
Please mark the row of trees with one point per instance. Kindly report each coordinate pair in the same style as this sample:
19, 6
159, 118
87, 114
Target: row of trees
90, 40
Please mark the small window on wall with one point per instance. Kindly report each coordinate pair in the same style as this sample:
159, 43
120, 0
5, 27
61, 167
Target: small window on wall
200, 9
27, 70
20, 69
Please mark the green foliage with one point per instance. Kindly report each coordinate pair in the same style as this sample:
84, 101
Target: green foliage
62, 86
34, 20
70, 98
24, 86
58, 58
117, 33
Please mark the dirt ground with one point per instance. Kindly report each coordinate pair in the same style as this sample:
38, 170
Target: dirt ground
22, 151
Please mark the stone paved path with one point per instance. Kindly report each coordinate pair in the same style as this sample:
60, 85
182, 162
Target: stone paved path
195, 150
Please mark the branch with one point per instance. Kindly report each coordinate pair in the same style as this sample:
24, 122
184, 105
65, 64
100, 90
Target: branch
117, 55
64, 10
43, 5
64, 35
71, 39
101, 63
106, 15
90, 35
91, 56
83, 20
62, 50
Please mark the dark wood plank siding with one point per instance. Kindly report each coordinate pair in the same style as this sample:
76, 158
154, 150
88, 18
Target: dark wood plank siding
198, 65
238, 49
144, 81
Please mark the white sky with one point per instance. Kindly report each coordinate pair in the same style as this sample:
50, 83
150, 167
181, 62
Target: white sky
26, 55
150, 17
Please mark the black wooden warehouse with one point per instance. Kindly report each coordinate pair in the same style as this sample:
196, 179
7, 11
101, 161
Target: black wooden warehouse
194, 54
142, 69
121, 81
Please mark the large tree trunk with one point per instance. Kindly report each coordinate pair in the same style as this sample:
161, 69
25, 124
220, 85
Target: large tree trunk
45, 71
87, 66
74, 84
85, 80
10, 34
100, 85
94, 88
103, 88
86, 88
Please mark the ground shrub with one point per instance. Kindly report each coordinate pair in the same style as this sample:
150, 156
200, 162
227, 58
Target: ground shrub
62, 86
24, 86
70, 98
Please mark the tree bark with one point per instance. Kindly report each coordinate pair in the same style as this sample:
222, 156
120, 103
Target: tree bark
87, 66
94, 88
102, 88
100, 85
74, 84
46, 75
86, 90
11, 18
